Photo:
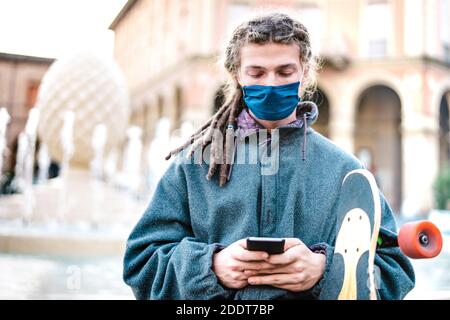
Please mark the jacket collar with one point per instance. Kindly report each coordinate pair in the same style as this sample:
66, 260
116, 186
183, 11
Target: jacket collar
247, 125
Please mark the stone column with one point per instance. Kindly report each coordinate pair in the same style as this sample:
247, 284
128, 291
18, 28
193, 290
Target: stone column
170, 107
420, 133
342, 121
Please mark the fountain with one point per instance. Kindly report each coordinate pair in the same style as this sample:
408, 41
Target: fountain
24, 170
110, 169
22, 149
66, 138
159, 148
67, 146
78, 222
131, 169
98, 142
99, 139
43, 164
4, 120
81, 116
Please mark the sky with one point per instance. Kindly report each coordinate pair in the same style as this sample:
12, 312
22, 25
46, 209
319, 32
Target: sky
56, 28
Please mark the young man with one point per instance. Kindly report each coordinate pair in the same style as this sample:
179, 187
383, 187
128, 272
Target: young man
190, 242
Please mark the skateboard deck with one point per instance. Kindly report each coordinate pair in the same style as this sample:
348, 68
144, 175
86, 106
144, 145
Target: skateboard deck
351, 274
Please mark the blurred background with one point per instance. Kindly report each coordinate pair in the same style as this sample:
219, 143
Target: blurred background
93, 95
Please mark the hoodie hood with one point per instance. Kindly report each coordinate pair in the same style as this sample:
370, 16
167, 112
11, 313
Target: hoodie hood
310, 109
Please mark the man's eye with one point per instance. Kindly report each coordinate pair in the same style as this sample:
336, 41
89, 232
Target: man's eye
283, 74
256, 75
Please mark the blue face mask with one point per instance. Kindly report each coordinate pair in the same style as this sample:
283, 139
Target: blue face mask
272, 102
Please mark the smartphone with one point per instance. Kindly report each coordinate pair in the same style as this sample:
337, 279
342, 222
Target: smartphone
269, 245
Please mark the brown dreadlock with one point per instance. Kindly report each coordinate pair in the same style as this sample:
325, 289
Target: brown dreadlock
274, 27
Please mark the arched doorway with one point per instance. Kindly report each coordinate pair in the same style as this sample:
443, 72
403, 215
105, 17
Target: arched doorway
160, 107
444, 131
178, 113
322, 123
378, 141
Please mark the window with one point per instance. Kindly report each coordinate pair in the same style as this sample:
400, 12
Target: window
183, 34
311, 17
32, 91
378, 22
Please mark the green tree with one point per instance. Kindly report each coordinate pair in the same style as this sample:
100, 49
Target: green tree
442, 188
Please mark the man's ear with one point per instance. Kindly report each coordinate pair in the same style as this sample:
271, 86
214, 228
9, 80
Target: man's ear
305, 73
238, 79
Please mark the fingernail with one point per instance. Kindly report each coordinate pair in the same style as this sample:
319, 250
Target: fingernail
265, 256
251, 281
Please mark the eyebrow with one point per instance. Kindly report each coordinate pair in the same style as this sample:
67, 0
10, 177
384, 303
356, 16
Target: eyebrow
283, 66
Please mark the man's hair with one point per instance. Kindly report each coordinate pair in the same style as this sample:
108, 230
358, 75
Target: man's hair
275, 27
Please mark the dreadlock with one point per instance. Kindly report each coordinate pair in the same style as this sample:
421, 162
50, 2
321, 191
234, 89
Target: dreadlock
275, 27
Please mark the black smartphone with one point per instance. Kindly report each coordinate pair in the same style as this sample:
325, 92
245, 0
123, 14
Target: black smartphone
269, 245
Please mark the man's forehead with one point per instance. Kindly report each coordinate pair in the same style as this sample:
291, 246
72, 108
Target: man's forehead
270, 56
270, 66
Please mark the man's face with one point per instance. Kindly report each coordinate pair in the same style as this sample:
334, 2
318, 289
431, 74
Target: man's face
270, 64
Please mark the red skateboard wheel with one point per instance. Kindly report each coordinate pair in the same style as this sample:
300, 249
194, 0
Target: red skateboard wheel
420, 239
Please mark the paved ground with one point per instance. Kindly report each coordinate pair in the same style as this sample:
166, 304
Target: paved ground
41, 277
432, 276
33, 276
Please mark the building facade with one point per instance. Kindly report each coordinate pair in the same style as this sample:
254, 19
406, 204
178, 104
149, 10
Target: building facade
383, 92
20, 77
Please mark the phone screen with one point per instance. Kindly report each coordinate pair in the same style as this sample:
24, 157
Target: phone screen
269, 245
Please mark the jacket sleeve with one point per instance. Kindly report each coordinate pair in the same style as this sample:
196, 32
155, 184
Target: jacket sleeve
394, 274
163, 259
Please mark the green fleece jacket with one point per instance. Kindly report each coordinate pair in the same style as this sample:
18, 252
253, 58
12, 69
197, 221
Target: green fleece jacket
169, 252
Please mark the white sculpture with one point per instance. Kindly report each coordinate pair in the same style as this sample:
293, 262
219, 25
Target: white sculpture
93, 88
99, 139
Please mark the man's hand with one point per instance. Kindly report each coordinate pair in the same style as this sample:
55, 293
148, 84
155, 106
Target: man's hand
297, 269
230, 263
